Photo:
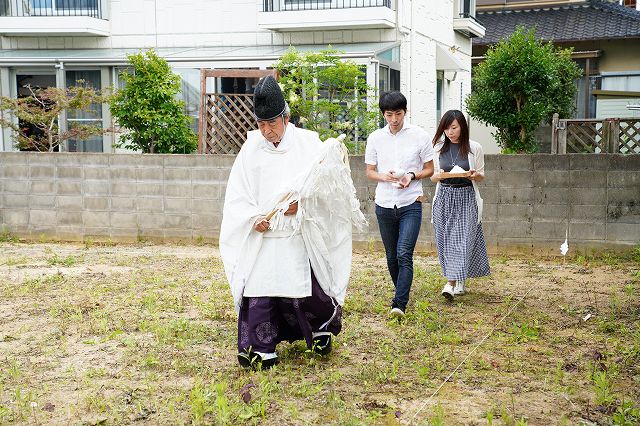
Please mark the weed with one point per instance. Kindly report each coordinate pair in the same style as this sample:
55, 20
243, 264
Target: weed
609, 325
97, 402
438, 416
150, 360
13, 261
371, 245
5, 413
14, 370
506, 417
88, 243
8, 237
67, 261
525, 332
34, 286
627, 414
603, 389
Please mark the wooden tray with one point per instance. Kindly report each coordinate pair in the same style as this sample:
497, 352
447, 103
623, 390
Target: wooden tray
447, 175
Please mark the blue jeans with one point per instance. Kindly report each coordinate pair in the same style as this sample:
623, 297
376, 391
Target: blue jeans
399, 229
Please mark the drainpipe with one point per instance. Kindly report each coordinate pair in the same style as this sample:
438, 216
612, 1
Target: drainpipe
61, 84
406, 34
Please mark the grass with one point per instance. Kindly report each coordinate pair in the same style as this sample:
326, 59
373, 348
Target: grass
116, 334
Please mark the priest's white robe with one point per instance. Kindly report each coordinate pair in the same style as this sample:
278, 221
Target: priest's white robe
277, 263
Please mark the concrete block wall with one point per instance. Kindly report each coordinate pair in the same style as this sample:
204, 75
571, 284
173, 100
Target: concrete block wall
122, 197
531, 200
528, 199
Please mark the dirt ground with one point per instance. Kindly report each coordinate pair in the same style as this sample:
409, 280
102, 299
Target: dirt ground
146, 334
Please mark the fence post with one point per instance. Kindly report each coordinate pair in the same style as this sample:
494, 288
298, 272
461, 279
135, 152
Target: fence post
614, 136
606, 135
202, 141
562, 136
554, 133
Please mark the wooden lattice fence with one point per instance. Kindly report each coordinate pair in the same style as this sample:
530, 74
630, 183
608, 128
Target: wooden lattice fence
611, 135
629, 136
225, 118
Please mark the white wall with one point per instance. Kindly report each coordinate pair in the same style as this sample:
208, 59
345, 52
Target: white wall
192, 23
482, 134
427, 24
422, 25
608, 108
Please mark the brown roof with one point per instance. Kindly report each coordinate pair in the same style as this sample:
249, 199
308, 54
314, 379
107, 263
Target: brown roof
592, 20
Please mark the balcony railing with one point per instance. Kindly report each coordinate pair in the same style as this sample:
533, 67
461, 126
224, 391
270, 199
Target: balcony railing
25, 8
294, 5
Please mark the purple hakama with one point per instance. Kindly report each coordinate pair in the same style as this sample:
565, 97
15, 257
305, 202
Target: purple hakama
264, 322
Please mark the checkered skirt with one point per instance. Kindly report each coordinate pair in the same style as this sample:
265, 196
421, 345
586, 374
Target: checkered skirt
458, 235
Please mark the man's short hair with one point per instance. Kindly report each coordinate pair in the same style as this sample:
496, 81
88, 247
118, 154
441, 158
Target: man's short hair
392, 101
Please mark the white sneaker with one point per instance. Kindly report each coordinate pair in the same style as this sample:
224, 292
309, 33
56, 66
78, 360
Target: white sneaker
459, 288
447, 292
396, 313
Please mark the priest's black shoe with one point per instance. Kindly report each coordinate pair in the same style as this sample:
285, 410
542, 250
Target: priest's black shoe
322, 344
254, 361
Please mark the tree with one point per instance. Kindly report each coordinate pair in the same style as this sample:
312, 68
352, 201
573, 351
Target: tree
37, 127
147, 108
521, 83
327, 95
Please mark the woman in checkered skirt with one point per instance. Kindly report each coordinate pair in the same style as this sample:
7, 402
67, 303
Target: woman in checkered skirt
457, 205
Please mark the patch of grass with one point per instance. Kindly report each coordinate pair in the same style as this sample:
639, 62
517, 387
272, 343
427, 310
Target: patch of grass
608, 257
34, 286
57, 260
525, 332
8, 237
13, 261
627, 414
437, 419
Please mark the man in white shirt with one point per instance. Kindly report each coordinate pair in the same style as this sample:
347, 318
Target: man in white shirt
288, 273
398, 156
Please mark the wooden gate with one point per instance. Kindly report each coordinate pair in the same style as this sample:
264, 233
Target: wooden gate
611, 135
225, 118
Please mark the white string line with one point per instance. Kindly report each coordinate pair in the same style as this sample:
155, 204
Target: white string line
469, 354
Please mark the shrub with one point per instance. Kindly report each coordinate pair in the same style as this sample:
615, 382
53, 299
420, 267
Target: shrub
522, 83
148, 109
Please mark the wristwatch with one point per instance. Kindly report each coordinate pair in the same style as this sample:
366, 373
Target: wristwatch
413, 175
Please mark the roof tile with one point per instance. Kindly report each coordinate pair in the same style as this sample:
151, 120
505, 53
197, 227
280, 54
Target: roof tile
592, 20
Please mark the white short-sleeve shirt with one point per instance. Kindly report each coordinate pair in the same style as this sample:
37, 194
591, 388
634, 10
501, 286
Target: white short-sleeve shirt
408, 149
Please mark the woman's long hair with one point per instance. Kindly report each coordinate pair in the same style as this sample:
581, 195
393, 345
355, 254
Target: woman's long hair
445, 122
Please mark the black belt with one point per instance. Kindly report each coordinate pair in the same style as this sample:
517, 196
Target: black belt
456, 185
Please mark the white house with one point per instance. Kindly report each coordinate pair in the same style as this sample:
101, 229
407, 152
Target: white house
421, 47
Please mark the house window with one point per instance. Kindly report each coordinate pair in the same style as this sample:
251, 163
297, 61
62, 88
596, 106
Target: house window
28, 81
190, 94
439, 93
92, 116
383, 79
467, 8
64, 7
394, 79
